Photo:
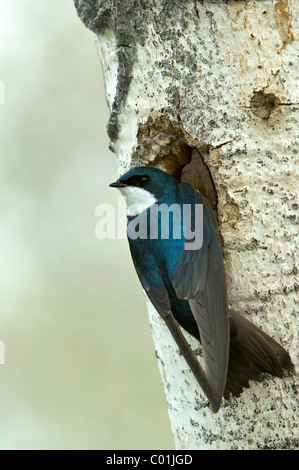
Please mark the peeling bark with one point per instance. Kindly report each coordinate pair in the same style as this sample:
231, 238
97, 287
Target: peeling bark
207, 91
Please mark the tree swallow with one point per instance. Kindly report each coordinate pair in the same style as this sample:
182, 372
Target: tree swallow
177, 253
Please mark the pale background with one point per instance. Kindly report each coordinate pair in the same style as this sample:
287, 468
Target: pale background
80, 369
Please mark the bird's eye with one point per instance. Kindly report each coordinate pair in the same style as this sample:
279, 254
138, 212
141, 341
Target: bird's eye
144, 180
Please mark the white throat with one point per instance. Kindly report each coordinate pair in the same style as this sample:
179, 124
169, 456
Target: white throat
137, 199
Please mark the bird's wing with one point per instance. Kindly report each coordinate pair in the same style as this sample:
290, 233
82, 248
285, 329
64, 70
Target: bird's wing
158, 295
199, 278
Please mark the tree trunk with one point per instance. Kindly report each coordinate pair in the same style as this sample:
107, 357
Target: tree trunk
206, 90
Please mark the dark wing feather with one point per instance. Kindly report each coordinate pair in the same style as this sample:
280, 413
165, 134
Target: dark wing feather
200, 279
158, 296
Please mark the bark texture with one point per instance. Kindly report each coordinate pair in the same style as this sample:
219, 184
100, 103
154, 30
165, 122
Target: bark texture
208, 91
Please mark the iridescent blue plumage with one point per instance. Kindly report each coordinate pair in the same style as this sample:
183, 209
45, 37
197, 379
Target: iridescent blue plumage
186, 284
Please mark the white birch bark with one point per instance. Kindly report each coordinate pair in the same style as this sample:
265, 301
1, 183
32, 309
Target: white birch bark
220, 78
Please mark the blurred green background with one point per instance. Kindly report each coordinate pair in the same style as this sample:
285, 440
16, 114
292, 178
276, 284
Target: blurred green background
80, 369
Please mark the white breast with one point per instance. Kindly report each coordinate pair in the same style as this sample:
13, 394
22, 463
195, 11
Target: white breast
137, 199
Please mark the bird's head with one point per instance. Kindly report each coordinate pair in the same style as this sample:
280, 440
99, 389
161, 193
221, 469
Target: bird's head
144, 186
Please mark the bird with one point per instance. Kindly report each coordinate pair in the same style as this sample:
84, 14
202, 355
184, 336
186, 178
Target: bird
184, 279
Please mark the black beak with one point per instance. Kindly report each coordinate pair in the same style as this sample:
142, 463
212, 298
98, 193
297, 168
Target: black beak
118, 184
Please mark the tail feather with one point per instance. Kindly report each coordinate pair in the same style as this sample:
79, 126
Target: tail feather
252, 353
